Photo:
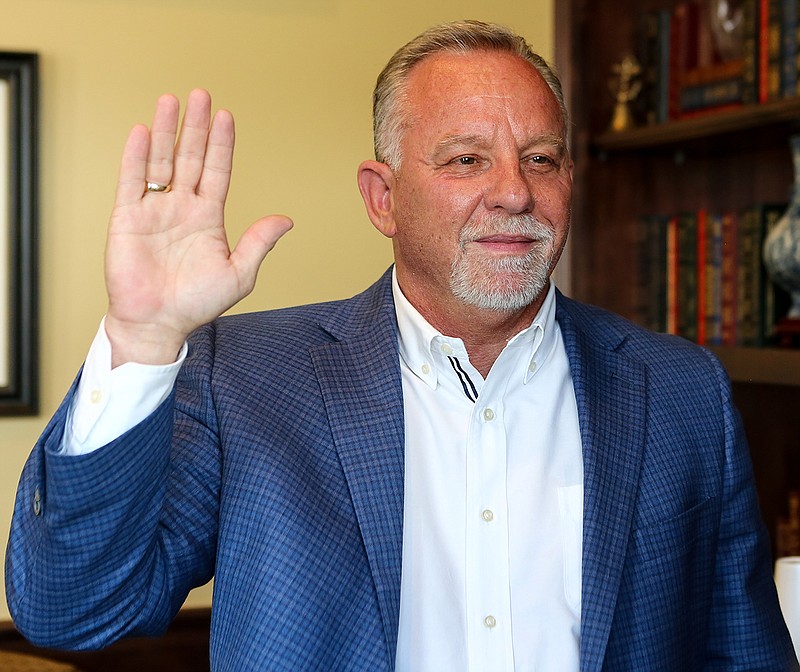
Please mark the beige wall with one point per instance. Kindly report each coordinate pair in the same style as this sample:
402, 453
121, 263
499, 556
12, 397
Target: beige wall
298, 76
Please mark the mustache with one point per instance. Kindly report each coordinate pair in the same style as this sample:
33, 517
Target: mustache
494, 224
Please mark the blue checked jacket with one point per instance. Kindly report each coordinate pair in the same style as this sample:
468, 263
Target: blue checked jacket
277, 467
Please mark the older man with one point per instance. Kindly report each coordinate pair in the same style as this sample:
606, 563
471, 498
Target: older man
457, 469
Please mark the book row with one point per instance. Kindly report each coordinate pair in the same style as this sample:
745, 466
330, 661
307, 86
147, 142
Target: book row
703, 55
702, 276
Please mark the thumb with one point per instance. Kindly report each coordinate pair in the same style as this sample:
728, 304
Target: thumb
259, 238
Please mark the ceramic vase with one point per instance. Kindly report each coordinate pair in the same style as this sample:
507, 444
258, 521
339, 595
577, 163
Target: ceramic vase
782, 244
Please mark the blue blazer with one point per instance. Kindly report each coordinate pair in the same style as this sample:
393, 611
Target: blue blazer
277, 467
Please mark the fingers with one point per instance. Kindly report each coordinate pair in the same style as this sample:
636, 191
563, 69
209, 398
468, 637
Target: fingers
216, 175
147, 156
200, 160
132, 167
162, 140
190, 150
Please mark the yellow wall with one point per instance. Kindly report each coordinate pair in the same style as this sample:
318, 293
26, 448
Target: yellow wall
298, 75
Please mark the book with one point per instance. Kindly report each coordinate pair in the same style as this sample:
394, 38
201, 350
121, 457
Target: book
683, 45
760, 302
672, 273
774, 47
654, 58
749, 277
687, 286
718, 94
789, 53
713, 279
762, 39
702, 278
750, 52
729, 278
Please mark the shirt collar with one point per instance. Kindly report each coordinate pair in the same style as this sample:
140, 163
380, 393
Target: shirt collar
422, 347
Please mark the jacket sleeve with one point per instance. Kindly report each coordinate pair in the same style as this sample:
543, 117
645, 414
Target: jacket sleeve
108, 544
747, 631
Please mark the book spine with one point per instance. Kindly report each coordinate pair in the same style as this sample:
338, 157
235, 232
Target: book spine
789, 48
762, 32
729, 278
749, 262
750, 51
684, 31
700, 266
774, 49
687, 276
664, 27
711, 95
714, 279
797, 47
675, 69
672, 276
649, 50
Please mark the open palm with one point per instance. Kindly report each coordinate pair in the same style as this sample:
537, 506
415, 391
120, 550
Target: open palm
169, 268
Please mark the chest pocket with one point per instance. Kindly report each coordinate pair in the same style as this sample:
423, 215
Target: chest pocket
673, 537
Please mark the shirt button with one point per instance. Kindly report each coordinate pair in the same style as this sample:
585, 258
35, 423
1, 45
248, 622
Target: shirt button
446, 349
95, 396
488, 414
426, 369
37, 502
489, 621
487, 515
532, 367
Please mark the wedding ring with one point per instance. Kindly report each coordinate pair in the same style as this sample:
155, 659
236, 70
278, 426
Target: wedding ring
155, 187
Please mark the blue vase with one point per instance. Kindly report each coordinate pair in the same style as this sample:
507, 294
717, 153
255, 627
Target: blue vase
782, 245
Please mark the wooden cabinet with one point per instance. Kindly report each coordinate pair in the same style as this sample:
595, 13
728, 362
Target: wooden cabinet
723, 160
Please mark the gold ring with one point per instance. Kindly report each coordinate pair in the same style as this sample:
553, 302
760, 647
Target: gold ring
155, 187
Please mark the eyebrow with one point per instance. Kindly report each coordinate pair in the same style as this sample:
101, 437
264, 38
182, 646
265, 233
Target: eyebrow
449, 142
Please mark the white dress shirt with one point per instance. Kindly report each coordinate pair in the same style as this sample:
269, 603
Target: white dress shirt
493, 491
493, 516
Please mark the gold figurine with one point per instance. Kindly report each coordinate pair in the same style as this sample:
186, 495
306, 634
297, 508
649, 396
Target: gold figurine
625, 85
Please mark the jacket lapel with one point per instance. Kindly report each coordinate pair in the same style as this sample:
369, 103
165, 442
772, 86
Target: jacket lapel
610, 389
359, 374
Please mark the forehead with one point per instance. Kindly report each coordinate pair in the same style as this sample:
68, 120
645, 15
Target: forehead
481, 87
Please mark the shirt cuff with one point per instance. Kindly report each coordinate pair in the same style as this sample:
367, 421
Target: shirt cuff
109, 402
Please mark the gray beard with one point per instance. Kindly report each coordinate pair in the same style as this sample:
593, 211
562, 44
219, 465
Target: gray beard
507, 283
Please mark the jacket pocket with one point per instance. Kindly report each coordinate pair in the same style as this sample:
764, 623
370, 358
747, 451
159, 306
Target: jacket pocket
674, 536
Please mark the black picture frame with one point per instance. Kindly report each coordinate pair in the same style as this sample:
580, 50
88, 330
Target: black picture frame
19, 334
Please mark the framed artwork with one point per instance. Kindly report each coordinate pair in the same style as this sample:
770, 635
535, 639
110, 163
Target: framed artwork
19, 347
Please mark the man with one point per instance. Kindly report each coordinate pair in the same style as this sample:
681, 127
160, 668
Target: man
457, 469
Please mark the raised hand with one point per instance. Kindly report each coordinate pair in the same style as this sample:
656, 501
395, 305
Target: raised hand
168, 266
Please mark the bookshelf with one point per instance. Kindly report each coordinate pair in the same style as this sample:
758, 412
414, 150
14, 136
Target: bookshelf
728, 159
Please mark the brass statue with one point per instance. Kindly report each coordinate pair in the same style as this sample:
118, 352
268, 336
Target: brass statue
625, 84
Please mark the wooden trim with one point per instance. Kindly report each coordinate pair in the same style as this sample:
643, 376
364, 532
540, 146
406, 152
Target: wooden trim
183, 648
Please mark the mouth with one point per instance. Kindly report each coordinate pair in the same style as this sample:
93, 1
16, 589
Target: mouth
505, 243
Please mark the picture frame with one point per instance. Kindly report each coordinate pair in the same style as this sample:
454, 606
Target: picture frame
19, 342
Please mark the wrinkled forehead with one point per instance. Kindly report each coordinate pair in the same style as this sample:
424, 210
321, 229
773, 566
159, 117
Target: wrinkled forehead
454, 88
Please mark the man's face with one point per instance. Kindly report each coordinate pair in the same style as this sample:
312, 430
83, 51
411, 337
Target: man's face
481, 200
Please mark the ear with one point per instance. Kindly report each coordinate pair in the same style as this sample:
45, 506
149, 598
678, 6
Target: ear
375, 182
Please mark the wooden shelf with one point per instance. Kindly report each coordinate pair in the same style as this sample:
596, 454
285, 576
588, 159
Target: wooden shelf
723, 160
702, 127
762, 366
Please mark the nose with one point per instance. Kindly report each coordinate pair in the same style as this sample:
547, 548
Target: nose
508, 188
